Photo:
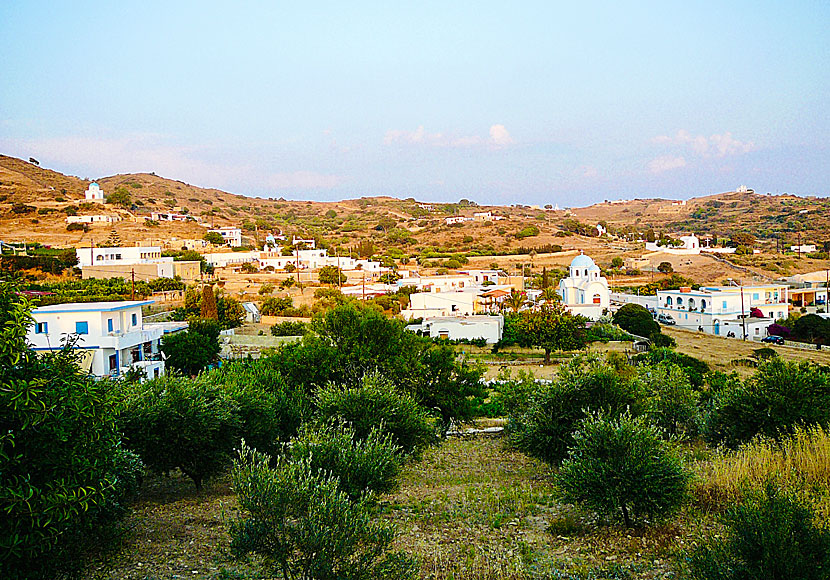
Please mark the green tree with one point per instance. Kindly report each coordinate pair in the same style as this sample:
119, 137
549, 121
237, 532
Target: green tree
665, 267
214, 238
780, 396
331, 275
306, 527
617, 262
544, 427
771, 535
64, 478
551, 328
669, 399
811, 328
376, 404
621, 466
121, 196
191, 351
178, 423
636, 319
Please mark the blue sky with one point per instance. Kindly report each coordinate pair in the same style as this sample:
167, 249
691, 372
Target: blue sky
500, 102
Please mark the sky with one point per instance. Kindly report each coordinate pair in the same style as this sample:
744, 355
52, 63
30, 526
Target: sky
566, 103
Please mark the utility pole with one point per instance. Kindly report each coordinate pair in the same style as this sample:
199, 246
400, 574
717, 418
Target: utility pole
364, 286
132, 289
743, 316
799, 245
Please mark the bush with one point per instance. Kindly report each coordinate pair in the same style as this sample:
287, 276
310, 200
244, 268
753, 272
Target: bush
289, 328
694, 368
191, 351
770, 535
305, 527
669, 400
331, 275
780, 396
376, 404
545, 430
362, 466
64, 480
275, 306
177, 423
636, 319
660, 340
270, 411
621, 466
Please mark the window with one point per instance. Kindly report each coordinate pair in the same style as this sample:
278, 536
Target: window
668, 301
597, 299
679, 301
135, 319
82, 328
724, 303
702, 305
99, 258
109, 324
117, 256
755, 296
41, 328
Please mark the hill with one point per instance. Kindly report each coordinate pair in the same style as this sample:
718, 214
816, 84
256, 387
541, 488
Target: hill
34, 203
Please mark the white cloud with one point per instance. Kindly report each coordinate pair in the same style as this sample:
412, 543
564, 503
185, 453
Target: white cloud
498, 137
714, 146
666, 163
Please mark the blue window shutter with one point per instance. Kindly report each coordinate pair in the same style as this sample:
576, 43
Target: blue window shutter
82, 328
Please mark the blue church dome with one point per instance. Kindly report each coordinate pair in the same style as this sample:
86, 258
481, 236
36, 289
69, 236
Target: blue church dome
582, 261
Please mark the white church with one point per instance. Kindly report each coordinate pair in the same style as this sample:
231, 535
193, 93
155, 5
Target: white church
585, 292
94, 192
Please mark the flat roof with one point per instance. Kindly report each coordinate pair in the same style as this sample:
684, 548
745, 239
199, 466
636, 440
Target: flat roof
90, 306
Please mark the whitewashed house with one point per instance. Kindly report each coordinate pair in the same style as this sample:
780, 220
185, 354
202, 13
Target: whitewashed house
584, 291
111, 335
432, 304
231, 235
490, 328
715, 307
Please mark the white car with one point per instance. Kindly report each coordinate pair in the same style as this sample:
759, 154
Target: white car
666, 319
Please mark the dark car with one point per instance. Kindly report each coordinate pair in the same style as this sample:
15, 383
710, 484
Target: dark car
773, 339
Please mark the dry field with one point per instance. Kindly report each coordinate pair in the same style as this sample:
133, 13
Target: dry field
719, 352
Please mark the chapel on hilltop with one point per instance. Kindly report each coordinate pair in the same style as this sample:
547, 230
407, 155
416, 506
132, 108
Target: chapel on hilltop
584, 291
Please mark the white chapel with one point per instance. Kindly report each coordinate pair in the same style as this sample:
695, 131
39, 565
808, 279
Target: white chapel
584, 291
94, 192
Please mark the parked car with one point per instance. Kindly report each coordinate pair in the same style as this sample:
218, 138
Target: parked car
773, 339
666, 319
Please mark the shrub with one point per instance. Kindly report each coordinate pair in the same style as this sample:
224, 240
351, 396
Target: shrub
362, 466
75, 227
780, 396
636, 319
660, 340
305, 527
770, 535
64, 481
289, 328
266, 288
376, 404
275, 306
270, 411
621, 466
191, 351
669, 400
331, 275
177, 423
694, 368
585, 384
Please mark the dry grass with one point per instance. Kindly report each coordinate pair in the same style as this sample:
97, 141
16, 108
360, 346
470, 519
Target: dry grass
719, 352
471, 509
800, 462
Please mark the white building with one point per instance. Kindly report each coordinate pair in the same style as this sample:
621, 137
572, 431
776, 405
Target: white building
433, 304
482, 276
489, 328
111, 335
456, 220
483, 216
691, 246
170, 217
714, 307
94, 193
92, 219
309, 243
439, 283
231, 235
585, 292
119, 256
803, 249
